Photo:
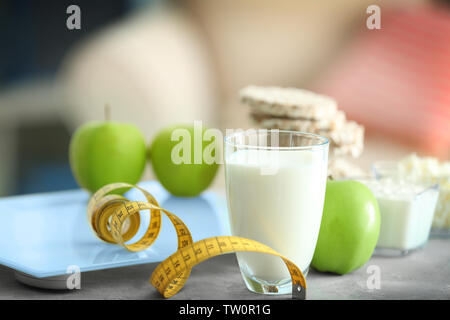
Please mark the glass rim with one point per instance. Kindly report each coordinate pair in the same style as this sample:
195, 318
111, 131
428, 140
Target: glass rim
325, 140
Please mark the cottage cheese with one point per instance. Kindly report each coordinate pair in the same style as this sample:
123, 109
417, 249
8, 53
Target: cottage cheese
429, 170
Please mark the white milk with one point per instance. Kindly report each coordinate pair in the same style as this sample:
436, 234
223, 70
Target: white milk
282, 210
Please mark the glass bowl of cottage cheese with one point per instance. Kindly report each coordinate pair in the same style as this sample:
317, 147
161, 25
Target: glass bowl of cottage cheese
426, 171
406, 212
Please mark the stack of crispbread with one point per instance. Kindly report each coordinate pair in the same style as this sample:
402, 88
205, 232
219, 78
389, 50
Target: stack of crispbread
306, 111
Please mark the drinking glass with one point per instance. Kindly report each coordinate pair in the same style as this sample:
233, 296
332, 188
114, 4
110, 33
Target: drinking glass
275, 181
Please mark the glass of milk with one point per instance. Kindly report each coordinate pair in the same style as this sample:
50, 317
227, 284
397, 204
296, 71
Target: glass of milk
275, 183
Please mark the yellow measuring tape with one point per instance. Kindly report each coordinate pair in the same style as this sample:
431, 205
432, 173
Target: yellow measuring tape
115, 219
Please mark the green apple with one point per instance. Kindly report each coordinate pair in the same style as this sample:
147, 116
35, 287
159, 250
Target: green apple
105, 152
349, 229
186, 179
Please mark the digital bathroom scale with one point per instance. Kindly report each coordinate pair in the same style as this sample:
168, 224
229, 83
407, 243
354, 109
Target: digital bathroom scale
42, 236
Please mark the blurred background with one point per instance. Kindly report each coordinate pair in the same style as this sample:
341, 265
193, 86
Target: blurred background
159, 62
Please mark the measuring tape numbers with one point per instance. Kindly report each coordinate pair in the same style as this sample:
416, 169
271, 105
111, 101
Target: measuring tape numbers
115, 219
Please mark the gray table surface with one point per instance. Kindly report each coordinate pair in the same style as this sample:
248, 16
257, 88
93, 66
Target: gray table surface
424, 274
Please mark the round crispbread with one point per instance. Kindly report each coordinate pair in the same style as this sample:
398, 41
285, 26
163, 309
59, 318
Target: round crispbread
304, 125
349, 133
349, 140
289, 102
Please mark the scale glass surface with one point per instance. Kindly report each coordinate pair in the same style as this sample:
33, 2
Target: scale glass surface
42, 235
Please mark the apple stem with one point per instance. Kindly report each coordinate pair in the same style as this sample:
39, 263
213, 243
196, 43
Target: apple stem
107, 112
